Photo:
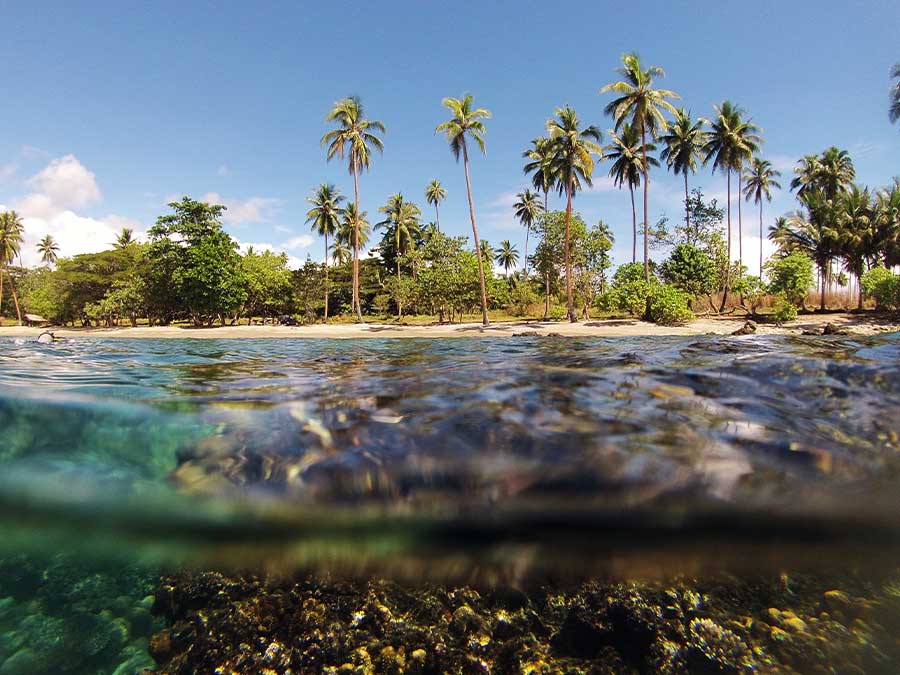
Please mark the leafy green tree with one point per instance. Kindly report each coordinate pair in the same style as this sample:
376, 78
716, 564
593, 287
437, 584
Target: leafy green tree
354, 139
308, 282
637, 102
12, 234
791, 275
760, 179
591, 260
466, 121
268, 284
527, 209
573, 166
435, 194
627, 157
507, 256
325, 216
44, 293
732, 140
204, 266
894, 106
683, 147
49, 250
402, 226
691, 270
449, 280
883, 286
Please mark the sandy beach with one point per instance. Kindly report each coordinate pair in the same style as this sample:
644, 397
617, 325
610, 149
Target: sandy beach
856, 324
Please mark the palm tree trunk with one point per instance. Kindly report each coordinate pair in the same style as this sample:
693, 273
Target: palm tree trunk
527, 232
633, 225
570, 304
1, 294
687, 211
356, 304
728, 266
823, 271
546, 193
484, 314
646, 171
740, 226
760, 241
12, 288
437, 217
326, 277
859, 299
547, 295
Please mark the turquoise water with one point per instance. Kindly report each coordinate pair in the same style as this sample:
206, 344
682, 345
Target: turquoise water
494, 459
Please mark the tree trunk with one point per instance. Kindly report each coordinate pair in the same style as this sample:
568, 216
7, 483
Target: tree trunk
633, 225
740, 224
12, 289
357, 309
1, 294
822, 273
687, 211
570, 304
760, 240
547, 295
646, 170
326, 278
728, 266
484, 314
437, 217
527, 231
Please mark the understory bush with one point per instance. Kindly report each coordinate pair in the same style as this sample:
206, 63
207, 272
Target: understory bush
783, 309
668, 305
631, 293
879, 283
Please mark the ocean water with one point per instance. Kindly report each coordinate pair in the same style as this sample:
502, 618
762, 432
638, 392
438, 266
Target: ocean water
131, 466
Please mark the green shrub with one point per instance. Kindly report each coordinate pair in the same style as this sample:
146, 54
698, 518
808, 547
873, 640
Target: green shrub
783, 310
669, 305
883, 286
791, 275
691, 270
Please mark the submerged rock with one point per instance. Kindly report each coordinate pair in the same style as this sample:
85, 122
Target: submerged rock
749, 328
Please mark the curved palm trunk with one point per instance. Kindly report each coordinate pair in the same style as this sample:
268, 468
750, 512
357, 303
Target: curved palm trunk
12, 289
356, 305
633, 226
646, 172
527, 232
326, 278
760, 241
570, 304
728, 266
687, 211
484, 313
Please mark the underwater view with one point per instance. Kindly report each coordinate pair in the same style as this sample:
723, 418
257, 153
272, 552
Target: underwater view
503, 505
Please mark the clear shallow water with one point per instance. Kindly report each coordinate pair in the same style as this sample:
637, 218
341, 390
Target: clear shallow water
497, 460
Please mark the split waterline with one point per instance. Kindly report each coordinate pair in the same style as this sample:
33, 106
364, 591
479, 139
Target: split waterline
496, 462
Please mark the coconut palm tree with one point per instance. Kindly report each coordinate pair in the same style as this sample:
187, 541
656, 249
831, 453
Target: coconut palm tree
540, 167
487, 252
466, 121
435, 194
805, 175
894, 109
857, 220
643, 106
12, 234
760, 179
507, 256
527, 210
573, 165
126, 237
324, 218
48, 248
354, 139
341, 252
353, 230
627, 165
683, 148
835, 172
402, 219
730, 141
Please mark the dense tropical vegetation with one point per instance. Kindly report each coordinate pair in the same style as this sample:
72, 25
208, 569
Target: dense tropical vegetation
188, 268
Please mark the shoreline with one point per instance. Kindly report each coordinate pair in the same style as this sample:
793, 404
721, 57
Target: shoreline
852, 323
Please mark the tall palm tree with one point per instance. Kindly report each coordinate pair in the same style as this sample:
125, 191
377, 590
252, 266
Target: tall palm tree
760, 179
467, 121
857, 221
527, 210
354, 138
627, 166
683, 149
49, 249
836, 172
487, 252
354, 230
324, 218
12, 234
730, 141
125, 238
435, 194
806, 175
643, 106
573, 164
402, 219
540, 167
507, 256
894, 108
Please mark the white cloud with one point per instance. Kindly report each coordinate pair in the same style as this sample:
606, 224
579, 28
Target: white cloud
241, 211
223, 170
73, 233
8, 170
65, 183
300, 241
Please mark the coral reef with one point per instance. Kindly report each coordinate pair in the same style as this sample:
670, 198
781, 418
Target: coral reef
218, 624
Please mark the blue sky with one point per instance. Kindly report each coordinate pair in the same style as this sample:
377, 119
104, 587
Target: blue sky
113, 108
